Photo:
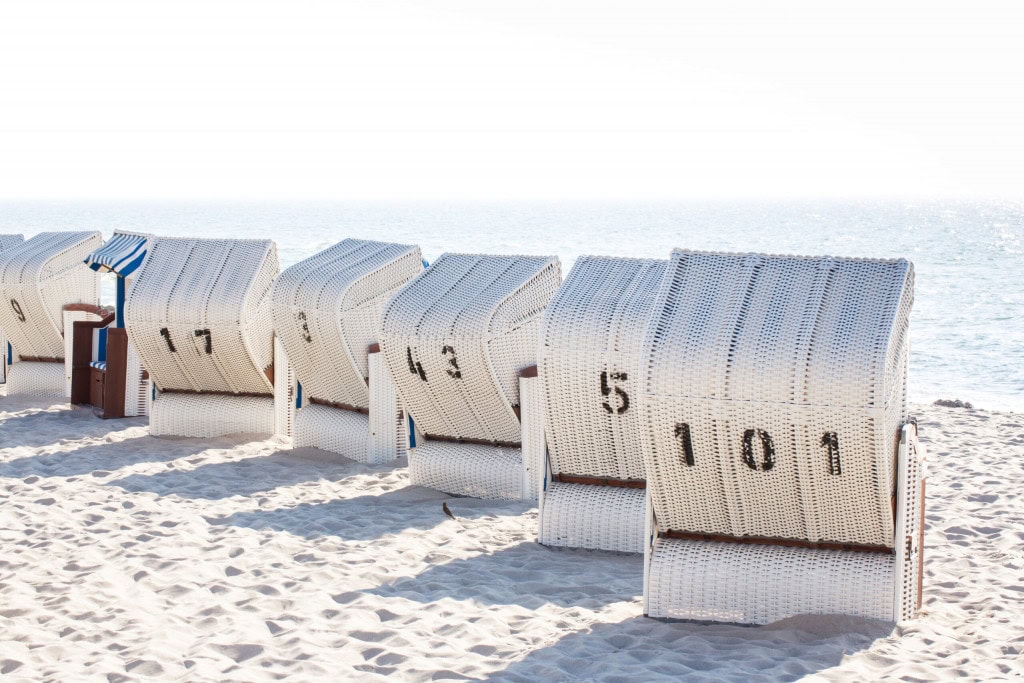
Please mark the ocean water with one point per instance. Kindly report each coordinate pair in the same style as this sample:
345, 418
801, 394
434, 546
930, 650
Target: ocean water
968, 320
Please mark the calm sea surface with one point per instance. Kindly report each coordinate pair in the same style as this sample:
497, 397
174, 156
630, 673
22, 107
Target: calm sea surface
968, 320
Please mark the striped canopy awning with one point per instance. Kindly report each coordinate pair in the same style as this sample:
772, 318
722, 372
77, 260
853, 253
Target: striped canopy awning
121, 255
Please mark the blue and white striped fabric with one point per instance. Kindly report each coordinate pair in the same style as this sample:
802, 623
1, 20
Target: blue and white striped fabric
122, 255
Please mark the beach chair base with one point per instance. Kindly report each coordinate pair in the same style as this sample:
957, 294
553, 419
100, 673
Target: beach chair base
594, 517
30, 378
464, 469
344, 432
207, 415
758, 583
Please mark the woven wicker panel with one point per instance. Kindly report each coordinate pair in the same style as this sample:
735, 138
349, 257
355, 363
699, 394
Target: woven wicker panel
340, 431
198, 314
590, 352
774, 389
455, 338
210, 415
596, 517
8, 242
473, 470
37, 279
759, 584
36, 379
327, 312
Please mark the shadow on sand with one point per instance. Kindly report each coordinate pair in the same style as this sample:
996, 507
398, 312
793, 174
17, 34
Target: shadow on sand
643, 649
249, 476
32, 428
363, 518
100, 458
527, 574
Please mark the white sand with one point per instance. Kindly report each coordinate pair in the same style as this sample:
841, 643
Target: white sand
129, 557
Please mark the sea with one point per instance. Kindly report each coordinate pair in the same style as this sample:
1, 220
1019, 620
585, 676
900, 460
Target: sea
967, 326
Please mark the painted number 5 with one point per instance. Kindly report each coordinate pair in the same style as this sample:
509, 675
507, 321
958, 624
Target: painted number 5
622, 401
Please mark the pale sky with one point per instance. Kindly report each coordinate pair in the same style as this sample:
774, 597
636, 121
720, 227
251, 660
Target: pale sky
509, 100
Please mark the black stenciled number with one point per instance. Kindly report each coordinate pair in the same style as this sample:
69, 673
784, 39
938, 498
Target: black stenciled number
414, 365
767, 449
305, 327
830, 441
606, 390
17, 310
166, 334
453, 361
683, 434
209, 340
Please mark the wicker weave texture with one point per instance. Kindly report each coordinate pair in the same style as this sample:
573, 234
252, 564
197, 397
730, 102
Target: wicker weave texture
284, 392
198, 314
136, 388
455, 338
6, 242
468, 469
773, 394
208, 415
759, 584
36, 379
388, 424
909, 525
327, 311
339, 431
595, 517
591, 340
37, 278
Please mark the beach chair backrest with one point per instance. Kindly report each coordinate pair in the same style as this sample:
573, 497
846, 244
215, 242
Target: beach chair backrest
38, 277
773, 391
590, 349
327, 311
455, 338
199, 317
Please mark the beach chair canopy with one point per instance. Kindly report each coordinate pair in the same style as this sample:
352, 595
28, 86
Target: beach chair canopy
455, 338
38, 277
10, 241
590, 347
122, 254
199, 317
327, 311
773, 392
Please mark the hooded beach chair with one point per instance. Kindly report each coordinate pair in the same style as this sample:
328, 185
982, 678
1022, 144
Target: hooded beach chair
40, 279
783, 475
327, 312
591, 336
454, 341
6, 242
198, 314
106, 371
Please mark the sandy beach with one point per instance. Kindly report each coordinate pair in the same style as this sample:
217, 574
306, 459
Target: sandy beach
127, 557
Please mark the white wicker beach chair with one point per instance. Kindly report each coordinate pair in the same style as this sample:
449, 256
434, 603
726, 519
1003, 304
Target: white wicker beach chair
593, 495
327, 312
454, 340
38, 279
198, 314
783, 478
104, 367
6, 353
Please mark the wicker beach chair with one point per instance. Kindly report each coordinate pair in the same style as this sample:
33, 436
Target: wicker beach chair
327, 312
6, 242
593, 496
106, 371
40, 279
782, 474
198, 314
454, 340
